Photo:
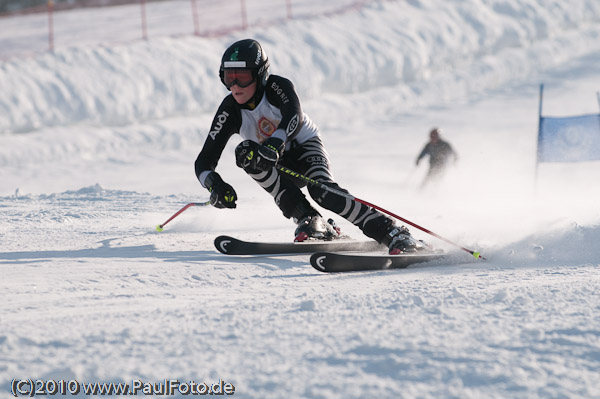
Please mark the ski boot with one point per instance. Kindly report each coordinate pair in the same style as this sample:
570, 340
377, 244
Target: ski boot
399, 241
314, 227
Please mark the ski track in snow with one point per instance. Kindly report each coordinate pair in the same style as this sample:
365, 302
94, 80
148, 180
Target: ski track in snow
128, 302
97, 147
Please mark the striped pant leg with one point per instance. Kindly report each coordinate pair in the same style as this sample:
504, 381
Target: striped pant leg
314, 162
287, 195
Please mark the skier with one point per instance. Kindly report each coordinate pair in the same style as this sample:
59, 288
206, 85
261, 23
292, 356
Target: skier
265, 110
439, 152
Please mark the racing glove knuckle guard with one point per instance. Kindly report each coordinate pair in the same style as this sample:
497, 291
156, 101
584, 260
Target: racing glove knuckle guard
222, 195
245, 153
269, 153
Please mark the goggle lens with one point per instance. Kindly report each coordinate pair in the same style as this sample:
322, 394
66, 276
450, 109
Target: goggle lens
240, 77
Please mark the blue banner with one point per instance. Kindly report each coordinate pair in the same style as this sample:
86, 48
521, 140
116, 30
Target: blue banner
569, 139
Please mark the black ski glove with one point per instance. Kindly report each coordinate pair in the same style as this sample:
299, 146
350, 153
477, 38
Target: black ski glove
268, 154
222, 195
252, 156
244, 153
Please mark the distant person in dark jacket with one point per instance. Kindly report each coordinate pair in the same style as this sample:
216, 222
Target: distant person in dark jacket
440, 152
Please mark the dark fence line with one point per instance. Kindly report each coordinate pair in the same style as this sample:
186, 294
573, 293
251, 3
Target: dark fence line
62, 23
21, 7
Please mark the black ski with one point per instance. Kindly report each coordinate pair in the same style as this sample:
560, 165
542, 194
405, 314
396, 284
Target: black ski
233, 246
330, 262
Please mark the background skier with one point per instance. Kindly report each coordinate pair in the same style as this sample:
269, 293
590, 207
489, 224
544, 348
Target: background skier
440, 152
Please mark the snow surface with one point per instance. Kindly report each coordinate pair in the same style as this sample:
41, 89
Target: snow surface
97, 146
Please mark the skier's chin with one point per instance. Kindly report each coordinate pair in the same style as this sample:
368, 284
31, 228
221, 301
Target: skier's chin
241, 98
243, 94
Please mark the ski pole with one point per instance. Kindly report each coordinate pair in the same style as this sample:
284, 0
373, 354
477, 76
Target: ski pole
160, 226
308, 180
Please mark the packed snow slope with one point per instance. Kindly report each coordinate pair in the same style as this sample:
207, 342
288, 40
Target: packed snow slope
97, 146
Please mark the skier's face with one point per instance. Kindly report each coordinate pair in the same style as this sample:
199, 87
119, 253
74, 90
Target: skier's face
243, 94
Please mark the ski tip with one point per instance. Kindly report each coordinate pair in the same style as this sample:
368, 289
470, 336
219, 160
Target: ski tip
159, 228
317, 259
222, 242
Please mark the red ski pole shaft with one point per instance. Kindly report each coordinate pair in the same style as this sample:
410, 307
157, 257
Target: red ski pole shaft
474, 253
160, 226
308, 180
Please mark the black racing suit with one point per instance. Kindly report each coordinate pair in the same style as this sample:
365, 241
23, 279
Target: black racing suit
275, 111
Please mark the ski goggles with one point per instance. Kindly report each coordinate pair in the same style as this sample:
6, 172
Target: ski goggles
241, 77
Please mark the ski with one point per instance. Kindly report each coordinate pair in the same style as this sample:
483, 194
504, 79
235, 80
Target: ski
330, 262
233, 246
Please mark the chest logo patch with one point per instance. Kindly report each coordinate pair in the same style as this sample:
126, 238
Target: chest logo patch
265, 129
